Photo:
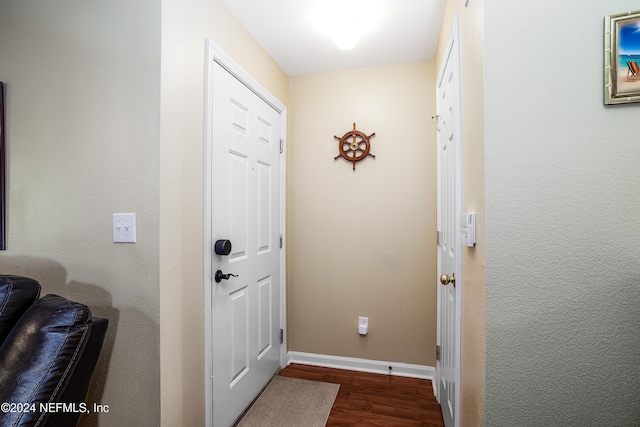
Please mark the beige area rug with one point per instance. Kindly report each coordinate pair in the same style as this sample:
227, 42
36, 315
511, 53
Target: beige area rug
291, 402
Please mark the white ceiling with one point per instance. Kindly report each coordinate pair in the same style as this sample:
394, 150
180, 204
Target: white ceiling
408, 31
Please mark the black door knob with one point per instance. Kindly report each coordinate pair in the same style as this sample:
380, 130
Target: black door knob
220, 276
222, 247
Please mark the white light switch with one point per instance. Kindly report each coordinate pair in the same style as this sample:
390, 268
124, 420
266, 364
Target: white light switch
124, 228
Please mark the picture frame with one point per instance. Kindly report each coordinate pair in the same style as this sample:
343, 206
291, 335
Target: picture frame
3, 174
622, 58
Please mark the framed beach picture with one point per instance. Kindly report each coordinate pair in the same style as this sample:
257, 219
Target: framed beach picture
622, 58
3, 175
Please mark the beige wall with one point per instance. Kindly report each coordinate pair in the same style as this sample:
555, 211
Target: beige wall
185, 26
83, 118
473, 177
105, 114
93, 129
363, 243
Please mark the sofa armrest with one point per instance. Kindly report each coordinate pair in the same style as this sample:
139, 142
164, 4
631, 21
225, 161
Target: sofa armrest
78, 386
40, 355
17, 293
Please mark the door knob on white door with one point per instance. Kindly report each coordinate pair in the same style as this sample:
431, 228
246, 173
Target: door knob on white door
445, 279
220, 276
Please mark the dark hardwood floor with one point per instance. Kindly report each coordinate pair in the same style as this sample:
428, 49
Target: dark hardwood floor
366, 399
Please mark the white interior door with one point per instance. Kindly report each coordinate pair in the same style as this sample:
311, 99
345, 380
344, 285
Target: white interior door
449, 243
245, 209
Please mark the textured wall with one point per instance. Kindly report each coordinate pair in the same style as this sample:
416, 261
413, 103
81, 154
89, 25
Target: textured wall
83, 103
562, 203
363, 243
85, 140
472, 348
185, 26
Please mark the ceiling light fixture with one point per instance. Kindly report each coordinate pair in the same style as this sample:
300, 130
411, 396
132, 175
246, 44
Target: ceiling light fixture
345, 21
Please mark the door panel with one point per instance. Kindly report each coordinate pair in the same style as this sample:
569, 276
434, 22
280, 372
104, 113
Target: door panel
265, 326
449, 208
265, 135
239, 333
237, 187
245, 209
264, 207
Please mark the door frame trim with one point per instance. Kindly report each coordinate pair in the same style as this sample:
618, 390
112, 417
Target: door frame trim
453, 50
213, 53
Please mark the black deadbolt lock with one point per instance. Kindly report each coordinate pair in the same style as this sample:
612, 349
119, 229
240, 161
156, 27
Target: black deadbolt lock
222, 247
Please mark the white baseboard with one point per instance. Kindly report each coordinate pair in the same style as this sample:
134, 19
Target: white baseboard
363, 365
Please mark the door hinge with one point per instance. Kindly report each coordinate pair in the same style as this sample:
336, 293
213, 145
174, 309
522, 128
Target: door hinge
281, 336
437, 352
438, 238
281, 145
281, 241
436, 119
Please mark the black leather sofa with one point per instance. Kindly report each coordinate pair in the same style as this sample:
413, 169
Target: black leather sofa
49, 348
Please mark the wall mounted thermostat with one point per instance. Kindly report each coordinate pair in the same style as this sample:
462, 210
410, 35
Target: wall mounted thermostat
468, 228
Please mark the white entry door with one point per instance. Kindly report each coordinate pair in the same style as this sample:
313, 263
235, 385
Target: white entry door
245, 209
449, 206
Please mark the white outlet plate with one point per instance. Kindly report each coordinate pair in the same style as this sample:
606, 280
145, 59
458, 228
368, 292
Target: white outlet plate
363, 325
124, 228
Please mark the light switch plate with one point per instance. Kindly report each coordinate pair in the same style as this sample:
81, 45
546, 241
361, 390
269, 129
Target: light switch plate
124, 228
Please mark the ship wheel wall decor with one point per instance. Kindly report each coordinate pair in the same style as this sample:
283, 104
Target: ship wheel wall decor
354, 146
